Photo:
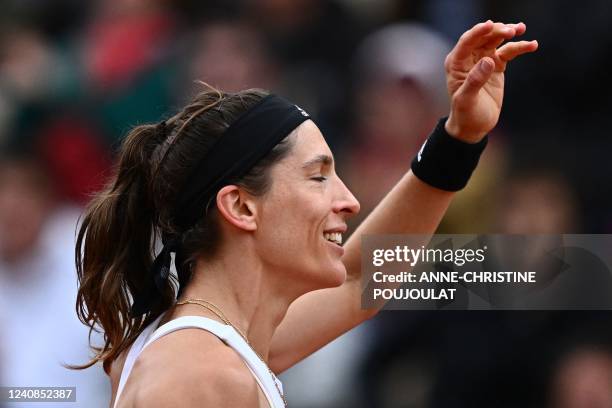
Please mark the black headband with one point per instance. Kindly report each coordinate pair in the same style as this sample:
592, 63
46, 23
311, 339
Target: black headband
248, 140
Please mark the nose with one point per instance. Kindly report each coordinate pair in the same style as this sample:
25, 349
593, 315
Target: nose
346, 201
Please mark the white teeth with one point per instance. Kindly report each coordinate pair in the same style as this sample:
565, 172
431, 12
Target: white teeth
335, 237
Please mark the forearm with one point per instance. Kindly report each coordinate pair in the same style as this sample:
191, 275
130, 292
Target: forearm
410, 207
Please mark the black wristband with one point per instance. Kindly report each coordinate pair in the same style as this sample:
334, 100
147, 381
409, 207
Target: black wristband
446, 162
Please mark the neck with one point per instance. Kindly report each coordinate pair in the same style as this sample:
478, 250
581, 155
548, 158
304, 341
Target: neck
250, 296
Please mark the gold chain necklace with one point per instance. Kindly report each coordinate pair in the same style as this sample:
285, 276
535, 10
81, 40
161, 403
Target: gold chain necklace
214, 309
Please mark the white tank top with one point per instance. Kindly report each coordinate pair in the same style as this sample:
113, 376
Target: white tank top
225, 333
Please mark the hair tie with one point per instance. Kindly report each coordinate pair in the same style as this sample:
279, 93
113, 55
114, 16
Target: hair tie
159, 274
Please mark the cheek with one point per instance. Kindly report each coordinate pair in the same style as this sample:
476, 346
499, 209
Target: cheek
291, 230
301, 214
295, 240
298, 230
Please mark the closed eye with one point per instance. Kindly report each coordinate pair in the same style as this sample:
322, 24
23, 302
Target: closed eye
319, 179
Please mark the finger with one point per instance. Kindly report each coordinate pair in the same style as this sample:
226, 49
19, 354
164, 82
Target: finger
477, 38
470, 38
519, 28
495, 41
510, 51
476, 78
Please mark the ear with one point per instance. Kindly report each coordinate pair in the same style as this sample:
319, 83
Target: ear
237, 207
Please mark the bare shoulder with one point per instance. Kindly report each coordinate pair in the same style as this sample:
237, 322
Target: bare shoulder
210, 375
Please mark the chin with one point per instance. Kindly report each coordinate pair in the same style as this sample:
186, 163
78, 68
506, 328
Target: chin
325, 276
337, 275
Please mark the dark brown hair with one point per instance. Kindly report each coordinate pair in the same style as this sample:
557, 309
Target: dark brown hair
123, 223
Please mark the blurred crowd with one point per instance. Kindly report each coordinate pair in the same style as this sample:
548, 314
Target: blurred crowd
75, 76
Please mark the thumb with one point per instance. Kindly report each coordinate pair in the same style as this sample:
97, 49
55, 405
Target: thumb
477, 77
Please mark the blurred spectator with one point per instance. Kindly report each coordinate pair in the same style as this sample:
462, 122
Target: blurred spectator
313, 40
232, 56
68, 144
40, 330
583, 379
26, 200
306, 30
537, 202
400, 93
124, 38
76, 157
28, 65
126, 59
474, 209
31, 71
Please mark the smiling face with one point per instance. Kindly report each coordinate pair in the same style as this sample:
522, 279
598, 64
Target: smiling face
302, 218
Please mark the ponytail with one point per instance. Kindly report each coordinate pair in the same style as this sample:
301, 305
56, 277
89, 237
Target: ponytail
114, 250
116, 240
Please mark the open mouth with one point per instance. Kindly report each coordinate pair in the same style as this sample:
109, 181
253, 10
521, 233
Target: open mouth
335, 237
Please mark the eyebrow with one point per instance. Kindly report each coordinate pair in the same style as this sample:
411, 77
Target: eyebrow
320, 159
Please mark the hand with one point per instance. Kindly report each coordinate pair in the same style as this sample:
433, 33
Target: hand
475, 77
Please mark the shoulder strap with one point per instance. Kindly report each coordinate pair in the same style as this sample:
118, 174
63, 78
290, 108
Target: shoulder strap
133, 354
229, 336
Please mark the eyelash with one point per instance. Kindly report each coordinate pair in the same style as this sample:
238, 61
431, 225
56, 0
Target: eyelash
320, 179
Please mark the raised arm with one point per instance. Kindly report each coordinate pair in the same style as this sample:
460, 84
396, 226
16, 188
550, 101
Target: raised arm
475, 78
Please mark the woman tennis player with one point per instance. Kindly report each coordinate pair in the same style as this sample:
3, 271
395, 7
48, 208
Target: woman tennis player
242, 191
